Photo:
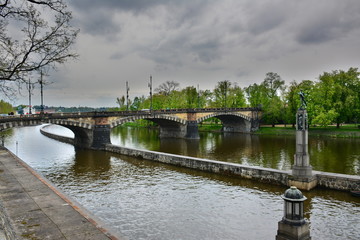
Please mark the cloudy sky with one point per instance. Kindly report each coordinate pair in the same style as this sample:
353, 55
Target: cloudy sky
201, 42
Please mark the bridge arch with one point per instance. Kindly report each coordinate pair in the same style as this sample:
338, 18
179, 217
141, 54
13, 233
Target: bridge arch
232, 121
86, 135
170, 125
154, 118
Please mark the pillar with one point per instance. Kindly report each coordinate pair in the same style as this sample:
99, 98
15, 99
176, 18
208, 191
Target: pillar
101, 133
302, 170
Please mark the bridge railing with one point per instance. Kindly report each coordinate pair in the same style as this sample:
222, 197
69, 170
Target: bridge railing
14, 118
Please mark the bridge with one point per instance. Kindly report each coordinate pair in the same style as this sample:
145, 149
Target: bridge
92, 129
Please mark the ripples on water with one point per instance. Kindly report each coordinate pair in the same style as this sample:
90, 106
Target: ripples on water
147, 200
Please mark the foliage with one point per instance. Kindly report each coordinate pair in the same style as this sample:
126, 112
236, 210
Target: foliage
334, 98
5, 107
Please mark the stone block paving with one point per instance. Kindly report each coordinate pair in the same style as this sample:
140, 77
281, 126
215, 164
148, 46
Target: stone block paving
32, 208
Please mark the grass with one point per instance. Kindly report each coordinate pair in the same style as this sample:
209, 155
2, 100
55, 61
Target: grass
210, 127
345, 131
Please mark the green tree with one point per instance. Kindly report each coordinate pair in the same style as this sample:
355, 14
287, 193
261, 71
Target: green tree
5, 107
272, 104
236, 97
273, 83
256, 96
191, 96
221, 94
121, 102
337, 96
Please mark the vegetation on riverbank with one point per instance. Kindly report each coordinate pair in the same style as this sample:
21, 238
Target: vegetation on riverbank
346, 131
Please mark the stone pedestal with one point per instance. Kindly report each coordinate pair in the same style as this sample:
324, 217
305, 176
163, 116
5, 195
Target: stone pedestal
290, 232
302, 170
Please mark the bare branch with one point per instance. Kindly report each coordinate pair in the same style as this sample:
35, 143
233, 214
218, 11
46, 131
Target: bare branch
40, 45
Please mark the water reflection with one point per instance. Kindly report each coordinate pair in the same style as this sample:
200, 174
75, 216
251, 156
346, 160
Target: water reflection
326, 154
149, 200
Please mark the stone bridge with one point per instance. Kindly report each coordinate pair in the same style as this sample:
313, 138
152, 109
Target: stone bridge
92, 129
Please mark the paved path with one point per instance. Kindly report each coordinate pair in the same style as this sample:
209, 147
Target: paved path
32, 208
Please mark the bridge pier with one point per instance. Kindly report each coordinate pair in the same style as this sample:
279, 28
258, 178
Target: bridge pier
176, 130
93, 138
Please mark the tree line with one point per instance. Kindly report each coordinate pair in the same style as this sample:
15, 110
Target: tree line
332, 99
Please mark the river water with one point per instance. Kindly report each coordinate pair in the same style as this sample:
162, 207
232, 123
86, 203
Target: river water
147, 200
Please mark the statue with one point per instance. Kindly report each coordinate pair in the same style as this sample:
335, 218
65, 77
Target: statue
302, 99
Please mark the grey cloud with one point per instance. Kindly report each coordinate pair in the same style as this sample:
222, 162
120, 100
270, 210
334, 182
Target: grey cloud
333, 22
265, 17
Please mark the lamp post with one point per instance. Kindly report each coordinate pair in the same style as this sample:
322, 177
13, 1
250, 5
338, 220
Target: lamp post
41, 93
293, 225
29, 97
127, 96
151, 100
198, 96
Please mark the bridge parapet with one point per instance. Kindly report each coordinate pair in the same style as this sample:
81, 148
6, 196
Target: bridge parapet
92, 129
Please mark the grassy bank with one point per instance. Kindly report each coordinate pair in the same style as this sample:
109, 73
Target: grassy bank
210, 127
345, 131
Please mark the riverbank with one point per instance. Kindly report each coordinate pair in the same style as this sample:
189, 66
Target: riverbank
32, 208
346, 131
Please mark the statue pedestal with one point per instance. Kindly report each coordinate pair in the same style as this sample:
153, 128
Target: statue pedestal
302, 170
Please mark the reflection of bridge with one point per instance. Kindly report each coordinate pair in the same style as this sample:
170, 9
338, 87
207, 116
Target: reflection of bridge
92, 129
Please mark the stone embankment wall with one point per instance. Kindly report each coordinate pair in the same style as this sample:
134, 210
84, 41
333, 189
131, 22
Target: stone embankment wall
56, 137
249, 172
335, 181
338, 181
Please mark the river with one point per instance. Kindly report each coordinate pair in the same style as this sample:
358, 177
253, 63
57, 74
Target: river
147, 200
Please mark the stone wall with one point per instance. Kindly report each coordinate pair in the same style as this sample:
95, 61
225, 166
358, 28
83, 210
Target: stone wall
56, 137
337, 181
263, 174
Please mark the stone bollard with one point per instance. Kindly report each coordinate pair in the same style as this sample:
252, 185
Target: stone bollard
293, 225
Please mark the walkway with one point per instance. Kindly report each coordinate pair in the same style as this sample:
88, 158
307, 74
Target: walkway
32, 208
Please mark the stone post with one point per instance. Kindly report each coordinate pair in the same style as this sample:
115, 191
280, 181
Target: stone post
302, 170
293, 225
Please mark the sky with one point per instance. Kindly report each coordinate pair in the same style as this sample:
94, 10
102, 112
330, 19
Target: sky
199, 43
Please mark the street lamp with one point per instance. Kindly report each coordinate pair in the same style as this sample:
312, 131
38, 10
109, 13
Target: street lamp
294, 206
151, 100
30, 97
293, 225
127, 96
42, 93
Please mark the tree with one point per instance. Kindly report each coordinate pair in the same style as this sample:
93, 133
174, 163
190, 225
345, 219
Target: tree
191, 97
167, 87
236, 97
121, 102
273, 83
5, 107
338, 96
255, 95
36, 44
221, 93
272, 106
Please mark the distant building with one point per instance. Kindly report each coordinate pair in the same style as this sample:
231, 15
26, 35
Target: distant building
26, 110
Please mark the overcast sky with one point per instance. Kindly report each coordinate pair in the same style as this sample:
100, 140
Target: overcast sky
200, 42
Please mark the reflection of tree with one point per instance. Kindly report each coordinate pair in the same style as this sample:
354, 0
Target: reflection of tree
92, 164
